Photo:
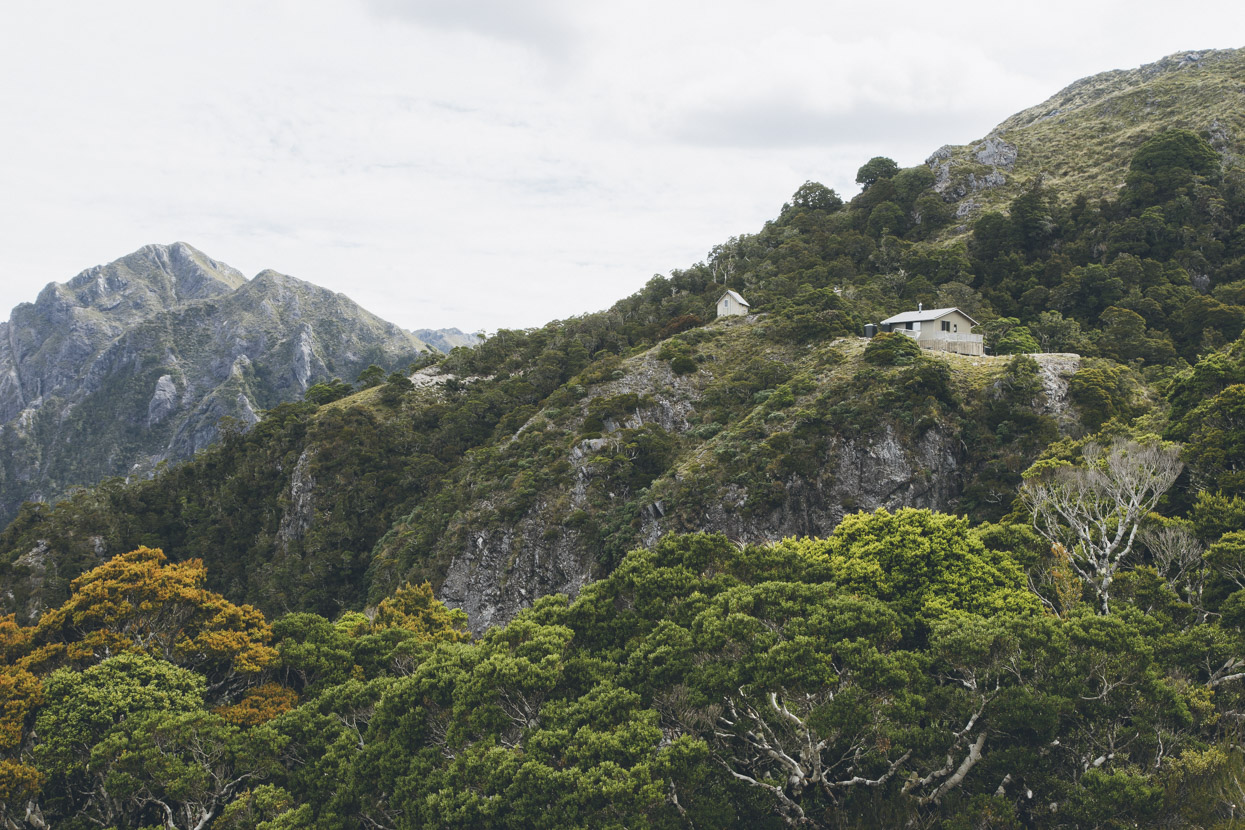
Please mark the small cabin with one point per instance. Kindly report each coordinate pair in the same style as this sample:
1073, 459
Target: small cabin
731, 303
945, 329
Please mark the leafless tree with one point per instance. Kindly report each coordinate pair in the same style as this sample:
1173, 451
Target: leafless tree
768, 741
1094, 510
725, 258
1177, 555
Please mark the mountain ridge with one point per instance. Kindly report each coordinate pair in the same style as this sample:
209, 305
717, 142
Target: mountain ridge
188, 339
1109, 115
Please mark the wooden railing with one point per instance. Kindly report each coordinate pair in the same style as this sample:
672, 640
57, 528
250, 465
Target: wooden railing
954, 336
948, 341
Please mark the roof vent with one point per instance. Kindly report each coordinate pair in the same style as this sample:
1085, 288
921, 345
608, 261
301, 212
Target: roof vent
918, 306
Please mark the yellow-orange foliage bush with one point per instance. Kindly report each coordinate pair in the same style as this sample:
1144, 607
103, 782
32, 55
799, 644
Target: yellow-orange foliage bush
139, 601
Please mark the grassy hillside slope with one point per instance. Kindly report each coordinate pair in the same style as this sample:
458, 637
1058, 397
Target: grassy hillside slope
1080, 140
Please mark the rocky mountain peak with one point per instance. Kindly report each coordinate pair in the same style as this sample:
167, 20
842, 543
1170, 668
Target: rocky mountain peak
154, 276
146, 354
275, 279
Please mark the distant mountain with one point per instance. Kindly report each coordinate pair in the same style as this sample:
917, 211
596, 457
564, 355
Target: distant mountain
445, 340
136, 362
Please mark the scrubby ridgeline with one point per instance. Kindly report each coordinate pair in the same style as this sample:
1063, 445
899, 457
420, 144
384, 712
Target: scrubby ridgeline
909, 670
316, 507
1082, 139
755, 438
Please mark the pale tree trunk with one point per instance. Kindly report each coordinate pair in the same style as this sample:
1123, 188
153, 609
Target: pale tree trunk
1094, 510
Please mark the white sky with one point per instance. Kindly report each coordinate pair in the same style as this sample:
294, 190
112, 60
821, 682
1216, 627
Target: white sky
499, 162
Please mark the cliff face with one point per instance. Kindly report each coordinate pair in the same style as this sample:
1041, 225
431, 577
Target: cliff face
137, 362
831, 437
498, 571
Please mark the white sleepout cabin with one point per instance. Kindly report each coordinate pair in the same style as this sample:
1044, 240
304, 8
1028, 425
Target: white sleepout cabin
731, 304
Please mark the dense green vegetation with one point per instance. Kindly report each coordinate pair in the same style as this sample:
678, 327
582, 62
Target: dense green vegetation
1066, 652
909, 669
1146, 282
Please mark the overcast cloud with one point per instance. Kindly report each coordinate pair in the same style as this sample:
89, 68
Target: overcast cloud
497, 163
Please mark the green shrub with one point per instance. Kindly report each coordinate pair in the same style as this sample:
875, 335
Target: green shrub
683, 365
681, 323
327, 392
892, 349
395, 387
1017, 341
1101, 394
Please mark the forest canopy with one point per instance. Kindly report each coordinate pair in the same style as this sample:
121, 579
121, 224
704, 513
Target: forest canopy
909, 668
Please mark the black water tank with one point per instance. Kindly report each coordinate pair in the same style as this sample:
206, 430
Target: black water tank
870, 330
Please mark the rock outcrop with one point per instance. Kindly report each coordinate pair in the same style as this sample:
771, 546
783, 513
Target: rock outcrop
497, 566
498, 571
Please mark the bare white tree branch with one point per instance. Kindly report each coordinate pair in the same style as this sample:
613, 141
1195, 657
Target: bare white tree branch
1094, 510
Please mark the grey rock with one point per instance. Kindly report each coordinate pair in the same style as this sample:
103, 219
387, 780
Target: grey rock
163, 402
297, 519
246, 411
37, 563
854, 475
497, 572
996, 152
991, 179
959, 187
1055, 371
966, 208
304, 360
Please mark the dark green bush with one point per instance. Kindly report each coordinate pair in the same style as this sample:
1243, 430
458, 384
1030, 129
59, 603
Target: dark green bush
683, 365
892, 349
1101, 394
